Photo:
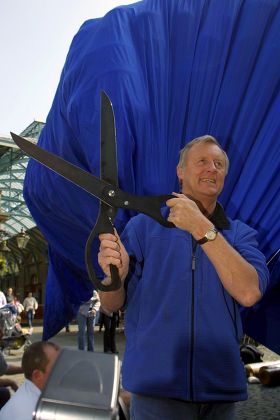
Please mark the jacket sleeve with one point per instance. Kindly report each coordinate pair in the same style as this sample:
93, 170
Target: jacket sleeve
246, 243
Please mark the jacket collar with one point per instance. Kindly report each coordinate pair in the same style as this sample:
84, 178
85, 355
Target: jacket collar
219, 218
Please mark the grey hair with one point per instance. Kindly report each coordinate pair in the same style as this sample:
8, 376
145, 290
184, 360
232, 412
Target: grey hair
201, 140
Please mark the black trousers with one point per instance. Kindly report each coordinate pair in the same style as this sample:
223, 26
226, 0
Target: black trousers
109, 337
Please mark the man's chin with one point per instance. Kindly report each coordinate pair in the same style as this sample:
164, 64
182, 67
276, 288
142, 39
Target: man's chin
209, 192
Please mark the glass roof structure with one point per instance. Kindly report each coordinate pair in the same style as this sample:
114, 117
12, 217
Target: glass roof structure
13, 164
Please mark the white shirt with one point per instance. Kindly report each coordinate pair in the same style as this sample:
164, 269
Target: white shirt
22, 404
30, 303
3, 300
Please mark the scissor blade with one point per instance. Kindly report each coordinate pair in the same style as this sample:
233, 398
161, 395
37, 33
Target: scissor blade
108, 148
105, 192
73, 173
108, 145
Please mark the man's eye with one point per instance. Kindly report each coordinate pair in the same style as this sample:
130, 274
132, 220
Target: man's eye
219, 165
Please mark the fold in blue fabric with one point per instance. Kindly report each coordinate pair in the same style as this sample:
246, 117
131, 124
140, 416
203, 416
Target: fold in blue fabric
174, 70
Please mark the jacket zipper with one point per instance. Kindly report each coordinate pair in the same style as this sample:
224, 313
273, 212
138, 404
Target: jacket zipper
194, 244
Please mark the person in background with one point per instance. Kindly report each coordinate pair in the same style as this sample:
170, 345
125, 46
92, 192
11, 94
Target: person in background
37, 363
110, 321
5, 383
205, 267
19, 308
86, 321
30, 305
67, 328
3, 300
100, 319
10, 295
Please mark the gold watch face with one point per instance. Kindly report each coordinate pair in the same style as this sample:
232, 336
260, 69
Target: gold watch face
211, 235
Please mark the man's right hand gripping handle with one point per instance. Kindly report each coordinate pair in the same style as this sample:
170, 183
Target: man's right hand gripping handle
112, 252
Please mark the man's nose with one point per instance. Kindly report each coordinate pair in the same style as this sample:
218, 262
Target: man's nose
212, 166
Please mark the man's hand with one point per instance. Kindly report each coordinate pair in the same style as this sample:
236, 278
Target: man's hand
112, 251
14, 386
184, 213
8, 382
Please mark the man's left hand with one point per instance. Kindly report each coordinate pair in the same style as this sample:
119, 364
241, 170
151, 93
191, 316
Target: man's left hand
184, 212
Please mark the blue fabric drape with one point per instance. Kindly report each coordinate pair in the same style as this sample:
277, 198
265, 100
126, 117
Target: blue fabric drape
174, 70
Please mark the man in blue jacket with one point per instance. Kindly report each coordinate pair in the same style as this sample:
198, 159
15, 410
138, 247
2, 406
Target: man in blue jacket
182, 288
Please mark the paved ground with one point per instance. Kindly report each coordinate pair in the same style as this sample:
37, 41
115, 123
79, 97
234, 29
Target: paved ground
263, 402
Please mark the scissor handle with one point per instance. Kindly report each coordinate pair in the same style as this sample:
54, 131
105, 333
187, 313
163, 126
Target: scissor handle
149, 205
103, 225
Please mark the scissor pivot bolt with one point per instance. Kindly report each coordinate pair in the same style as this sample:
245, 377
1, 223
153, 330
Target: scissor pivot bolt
126, 203
111, 193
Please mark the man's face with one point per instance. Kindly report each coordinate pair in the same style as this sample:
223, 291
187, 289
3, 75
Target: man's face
203, 173
40, 377
52, 356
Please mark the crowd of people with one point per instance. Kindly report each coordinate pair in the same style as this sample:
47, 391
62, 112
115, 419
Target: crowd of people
6, 383
19, 400
89, 315
14, 399
29, 305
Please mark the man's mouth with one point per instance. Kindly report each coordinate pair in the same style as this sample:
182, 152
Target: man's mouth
211, 181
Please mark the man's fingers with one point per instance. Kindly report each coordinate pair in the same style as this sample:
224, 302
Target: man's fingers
174, 201
14, 386
110, 260
105, 263
108, 236
110, 252
108, 244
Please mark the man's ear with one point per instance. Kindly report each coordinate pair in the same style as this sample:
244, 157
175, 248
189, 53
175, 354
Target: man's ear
179, 172
37, 376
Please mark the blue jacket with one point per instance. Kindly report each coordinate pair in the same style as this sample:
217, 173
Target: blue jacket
182, 327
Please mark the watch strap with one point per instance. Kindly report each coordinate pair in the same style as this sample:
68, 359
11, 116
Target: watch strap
202, 240
206, 237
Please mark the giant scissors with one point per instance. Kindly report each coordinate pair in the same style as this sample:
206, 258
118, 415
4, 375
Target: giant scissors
104, 188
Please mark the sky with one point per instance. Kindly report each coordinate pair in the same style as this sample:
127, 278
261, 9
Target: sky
35, 36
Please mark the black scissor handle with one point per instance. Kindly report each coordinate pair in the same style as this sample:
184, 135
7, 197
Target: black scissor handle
149, 205
103, 225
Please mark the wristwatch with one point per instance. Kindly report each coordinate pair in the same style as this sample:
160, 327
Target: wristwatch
210, 235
